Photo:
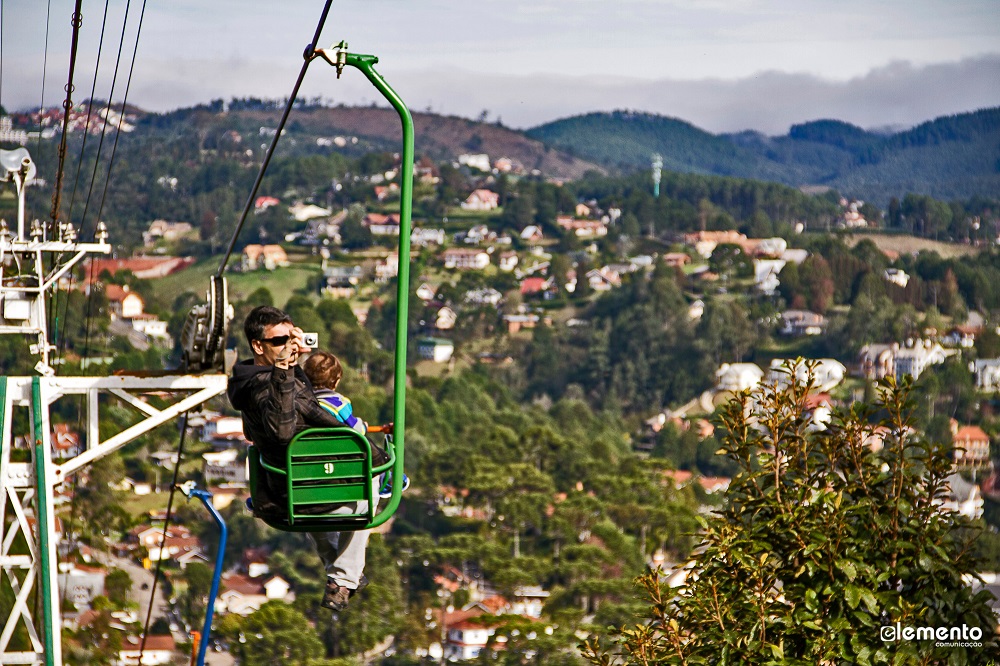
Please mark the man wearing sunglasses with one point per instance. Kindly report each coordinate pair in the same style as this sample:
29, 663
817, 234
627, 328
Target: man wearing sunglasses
270, 390
277, 401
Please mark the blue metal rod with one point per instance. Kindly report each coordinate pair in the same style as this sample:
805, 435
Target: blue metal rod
206, 632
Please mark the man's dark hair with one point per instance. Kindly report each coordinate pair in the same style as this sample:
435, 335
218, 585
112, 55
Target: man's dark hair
260, 318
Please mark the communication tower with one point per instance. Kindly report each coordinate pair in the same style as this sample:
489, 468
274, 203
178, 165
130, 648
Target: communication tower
657, 168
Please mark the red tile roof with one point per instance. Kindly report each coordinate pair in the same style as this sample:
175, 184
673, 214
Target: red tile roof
153, 642
244, 585
532, 285
142, 267
970, 433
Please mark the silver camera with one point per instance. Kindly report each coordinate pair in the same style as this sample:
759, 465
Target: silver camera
310, 340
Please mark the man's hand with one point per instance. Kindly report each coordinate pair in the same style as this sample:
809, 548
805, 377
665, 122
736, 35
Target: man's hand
289, 354
303, 347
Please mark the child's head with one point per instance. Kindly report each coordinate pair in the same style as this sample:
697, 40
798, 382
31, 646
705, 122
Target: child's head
323, 369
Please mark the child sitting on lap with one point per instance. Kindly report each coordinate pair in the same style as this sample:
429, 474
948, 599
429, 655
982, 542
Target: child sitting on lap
325, 372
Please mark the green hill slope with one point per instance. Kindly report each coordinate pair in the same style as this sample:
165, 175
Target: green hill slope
949, 157
626, 140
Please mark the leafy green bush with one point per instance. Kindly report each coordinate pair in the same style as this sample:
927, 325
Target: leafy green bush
824, 541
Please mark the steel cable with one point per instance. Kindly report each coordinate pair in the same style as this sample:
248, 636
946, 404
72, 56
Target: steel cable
67, 107
307, 58
121, 117
163, 539
79, 166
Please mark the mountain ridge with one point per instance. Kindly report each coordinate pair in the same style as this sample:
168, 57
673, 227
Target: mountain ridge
948, 157
954, 156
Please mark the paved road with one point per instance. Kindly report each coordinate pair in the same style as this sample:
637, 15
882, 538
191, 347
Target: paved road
142, 585
141, 577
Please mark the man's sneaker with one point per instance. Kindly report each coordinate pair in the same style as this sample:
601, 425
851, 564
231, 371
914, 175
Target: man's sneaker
336, 596
385, 491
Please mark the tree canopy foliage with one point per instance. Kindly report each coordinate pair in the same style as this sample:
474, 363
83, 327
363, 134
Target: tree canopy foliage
786, 572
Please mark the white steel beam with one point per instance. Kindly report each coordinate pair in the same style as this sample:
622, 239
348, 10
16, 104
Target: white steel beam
209, 385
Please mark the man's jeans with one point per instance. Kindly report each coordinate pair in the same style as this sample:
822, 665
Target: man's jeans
343, 553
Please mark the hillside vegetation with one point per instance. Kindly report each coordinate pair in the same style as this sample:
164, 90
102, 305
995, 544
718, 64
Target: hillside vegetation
954, 156
439, 137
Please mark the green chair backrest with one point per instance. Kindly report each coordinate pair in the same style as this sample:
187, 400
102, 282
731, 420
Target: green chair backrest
329, 471
328, 477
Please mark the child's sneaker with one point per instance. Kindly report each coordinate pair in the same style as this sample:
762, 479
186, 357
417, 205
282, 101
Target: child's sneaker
385, 492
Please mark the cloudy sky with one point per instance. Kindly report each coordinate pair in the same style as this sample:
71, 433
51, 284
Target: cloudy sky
723, 65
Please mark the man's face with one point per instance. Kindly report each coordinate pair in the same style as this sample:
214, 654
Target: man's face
279, 343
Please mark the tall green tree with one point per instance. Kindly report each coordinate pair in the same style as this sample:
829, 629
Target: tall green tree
826, 548
275, 634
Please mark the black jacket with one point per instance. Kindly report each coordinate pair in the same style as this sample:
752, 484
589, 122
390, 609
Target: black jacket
276, 403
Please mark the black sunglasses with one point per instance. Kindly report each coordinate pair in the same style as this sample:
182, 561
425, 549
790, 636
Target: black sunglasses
277, 340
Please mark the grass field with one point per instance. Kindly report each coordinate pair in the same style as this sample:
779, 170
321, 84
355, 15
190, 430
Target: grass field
912, 245
139, 506
282, 283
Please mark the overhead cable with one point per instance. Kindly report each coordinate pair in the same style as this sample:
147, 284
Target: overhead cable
121, 116
307, 58
104, 127
77, 21
45, 65
163, 538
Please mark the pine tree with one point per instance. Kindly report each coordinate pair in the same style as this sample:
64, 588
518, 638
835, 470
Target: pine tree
827, 545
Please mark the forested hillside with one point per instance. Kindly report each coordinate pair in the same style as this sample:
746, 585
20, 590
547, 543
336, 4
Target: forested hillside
955, 156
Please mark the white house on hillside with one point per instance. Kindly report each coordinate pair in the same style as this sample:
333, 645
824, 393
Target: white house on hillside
913, 360
802, 322
439, 350
224, 465
79, 583
738, 376
881, 360
987, 374
481, 200
244, 595
422, 236
154, 651
507, 261
461, 258
479, 161
123, 303
827, 372
897, 276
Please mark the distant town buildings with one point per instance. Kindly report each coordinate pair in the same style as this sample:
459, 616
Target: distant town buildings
227, 466
465, 259
168, 231
479, 161
971, 445
987, 373
878, 361
267, 257
438, 350
481, 200
382, 225
802, 322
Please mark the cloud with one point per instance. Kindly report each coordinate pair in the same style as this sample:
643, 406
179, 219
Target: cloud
898, 94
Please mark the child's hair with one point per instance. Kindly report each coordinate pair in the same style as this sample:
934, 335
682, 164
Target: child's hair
323, 369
